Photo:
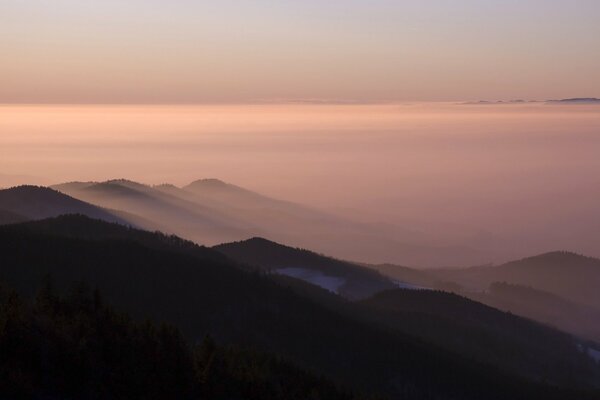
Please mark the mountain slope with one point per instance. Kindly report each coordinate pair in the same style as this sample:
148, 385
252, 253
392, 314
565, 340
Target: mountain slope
210, 211
481, 332
568, 275
202, 295
36, 202
78, 347
8, 217
161, 210
349, 280
545, 307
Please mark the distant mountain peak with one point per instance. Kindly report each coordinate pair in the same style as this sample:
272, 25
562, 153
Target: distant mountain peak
577, 100
211, 183
218, 186
125, 182
165, 186
558, 256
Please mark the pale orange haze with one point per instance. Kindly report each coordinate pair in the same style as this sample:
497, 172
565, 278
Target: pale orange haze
510, 179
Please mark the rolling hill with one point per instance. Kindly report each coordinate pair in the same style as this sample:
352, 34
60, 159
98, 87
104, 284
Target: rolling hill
37, 202
349, 280
199, 291
571, 276
545, 307
478, 331
557, 289
8, 217
210, 211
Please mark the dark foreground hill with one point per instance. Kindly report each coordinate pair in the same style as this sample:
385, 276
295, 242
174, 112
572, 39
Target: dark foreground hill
484, 333
349, 280
8, 217
76, 346
202, 294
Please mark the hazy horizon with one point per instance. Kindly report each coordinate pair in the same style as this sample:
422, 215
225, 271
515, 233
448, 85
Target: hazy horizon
512, 179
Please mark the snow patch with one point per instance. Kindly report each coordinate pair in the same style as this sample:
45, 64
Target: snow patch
318, 278
590, 352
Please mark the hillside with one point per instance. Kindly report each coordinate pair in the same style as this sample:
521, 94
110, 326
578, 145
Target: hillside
349, 280
479, 331
167, 211
203, 295
8, 217
571, 276
545, 307
77, 346
211, 211
36, 202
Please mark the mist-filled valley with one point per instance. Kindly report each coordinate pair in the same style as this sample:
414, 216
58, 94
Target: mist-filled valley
421, 184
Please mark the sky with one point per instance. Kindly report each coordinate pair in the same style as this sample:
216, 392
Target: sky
151, 51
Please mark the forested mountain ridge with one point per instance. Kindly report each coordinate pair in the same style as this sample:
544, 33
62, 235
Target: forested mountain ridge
484, 333
201, 295
8, 217
355, 282
77, 346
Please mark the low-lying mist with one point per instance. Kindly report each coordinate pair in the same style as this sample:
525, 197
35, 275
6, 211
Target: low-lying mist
476, 183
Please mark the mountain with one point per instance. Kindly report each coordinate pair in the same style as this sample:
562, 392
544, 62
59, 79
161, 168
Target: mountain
200, 292
545, 307
557, 288
479, 331
8, 217
36, 202
76, 346
349, 280
571, 276
210, 211
159, 209
576, 100
412, 277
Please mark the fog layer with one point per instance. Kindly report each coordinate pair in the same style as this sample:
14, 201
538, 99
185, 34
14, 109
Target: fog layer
505, 180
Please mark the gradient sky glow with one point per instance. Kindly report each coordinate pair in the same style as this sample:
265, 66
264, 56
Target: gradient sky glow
151, 51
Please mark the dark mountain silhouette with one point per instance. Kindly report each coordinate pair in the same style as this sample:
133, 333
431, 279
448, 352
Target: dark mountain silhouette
203, 294
77, 346
210, 211
545, 307
463, 326
576, 100
555, 288
479, 331
571, 276
8, 217
36, 202
350, 280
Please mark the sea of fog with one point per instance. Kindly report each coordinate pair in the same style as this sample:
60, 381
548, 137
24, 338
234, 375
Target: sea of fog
513, 180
